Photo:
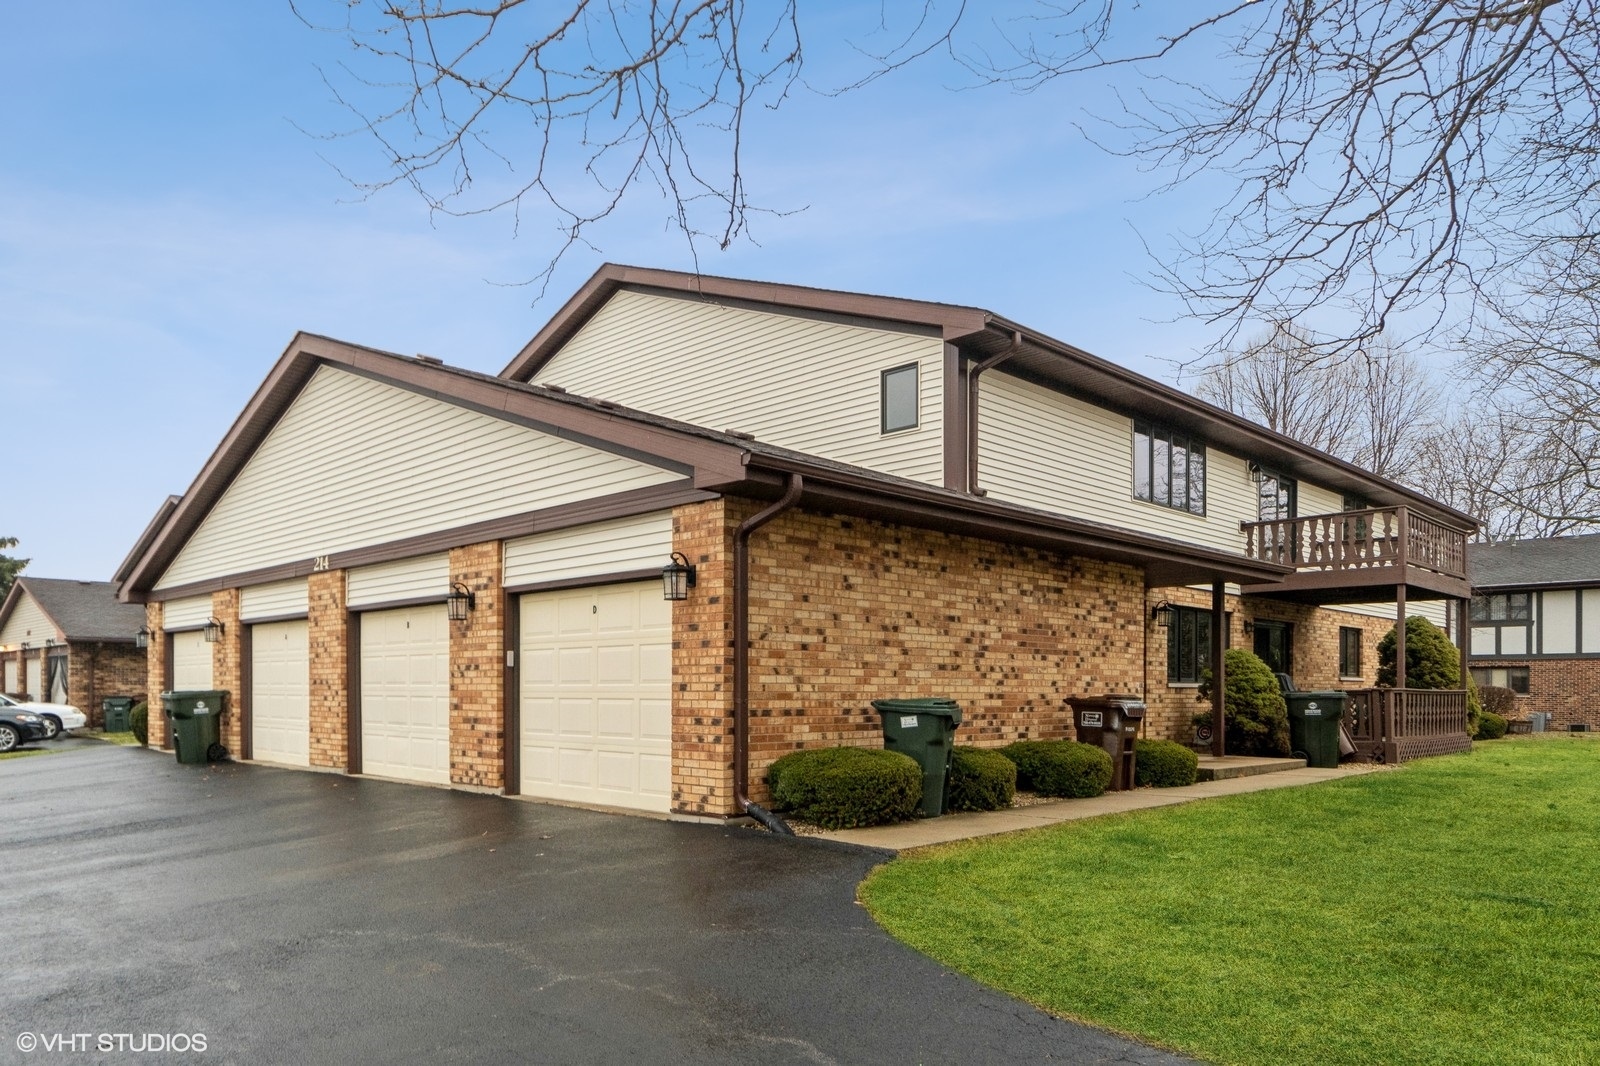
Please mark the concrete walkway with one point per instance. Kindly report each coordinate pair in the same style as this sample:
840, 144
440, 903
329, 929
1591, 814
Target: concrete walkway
929, 831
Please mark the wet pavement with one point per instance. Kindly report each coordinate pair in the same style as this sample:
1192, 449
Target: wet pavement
286, 916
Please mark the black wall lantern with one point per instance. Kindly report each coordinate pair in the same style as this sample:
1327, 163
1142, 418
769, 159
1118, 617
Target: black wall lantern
213, 630
141, 639
677, 578
1162, 613
460, 601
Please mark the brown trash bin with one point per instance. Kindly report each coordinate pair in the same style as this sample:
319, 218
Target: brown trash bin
1110, 722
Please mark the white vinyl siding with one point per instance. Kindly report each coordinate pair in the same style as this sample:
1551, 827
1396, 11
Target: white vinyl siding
1591, 620
355, 462
1432, 610
1558, 623
28, 624
186, 613
1043, 449
617, 547
191, 661
802, 383
1314, 499
405, 579
277, 600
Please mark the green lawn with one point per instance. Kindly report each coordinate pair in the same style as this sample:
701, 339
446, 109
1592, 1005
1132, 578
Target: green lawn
1448, 912
126, 740
23, 753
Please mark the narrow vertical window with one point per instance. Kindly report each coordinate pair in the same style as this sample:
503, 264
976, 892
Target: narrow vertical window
1349, 651
899, 406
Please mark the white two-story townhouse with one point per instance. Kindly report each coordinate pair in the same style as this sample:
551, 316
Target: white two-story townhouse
699, 522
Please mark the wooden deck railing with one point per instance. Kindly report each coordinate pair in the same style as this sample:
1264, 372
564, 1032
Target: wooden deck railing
1396, 724
1379, 537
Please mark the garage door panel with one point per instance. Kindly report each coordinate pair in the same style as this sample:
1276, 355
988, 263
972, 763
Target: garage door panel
280, 693
602, 658
405, 694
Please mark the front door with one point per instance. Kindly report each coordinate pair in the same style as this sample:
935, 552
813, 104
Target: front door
1274, 646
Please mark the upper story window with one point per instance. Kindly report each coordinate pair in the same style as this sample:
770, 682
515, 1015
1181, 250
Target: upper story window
1515, 608
899, 403
1168, 468
1275, 496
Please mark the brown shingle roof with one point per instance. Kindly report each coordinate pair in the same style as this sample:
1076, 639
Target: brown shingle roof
82, 610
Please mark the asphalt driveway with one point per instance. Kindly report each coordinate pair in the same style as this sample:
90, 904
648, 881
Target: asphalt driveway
298, 917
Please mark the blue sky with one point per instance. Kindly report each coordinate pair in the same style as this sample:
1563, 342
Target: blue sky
166, 226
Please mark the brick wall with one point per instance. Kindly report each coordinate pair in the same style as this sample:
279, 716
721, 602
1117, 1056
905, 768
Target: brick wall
1314, 647
227, 666
1568, 689
329, 632
155, 675
478, 671
96, 670
846, 610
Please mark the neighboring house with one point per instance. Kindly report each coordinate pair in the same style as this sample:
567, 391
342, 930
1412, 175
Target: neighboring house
878, 497
72, 642
1536, 625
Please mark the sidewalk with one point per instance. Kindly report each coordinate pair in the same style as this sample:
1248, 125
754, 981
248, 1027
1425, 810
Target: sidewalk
928, 831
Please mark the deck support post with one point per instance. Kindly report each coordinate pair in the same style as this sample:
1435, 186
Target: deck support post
1219, 673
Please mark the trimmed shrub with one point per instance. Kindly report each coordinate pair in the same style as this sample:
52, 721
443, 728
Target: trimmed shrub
847, 788
1497, 700
139, 723
1254, 710
1491, 726
1060, 767
981, 779
1431, 660
1164, 764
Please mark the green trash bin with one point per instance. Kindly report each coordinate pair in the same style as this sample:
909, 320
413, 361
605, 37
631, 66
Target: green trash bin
196, 717
115, 710
924, 729
1314, 719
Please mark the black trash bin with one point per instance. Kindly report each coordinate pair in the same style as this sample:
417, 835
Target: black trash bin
1314, 719
196, 717
924, 729
115, 711
1111, 723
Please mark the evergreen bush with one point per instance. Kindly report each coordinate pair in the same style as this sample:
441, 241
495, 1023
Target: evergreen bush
139, 722
981, 779
1164, 764
1060, 767
847, 788
1254, 710
1491, 726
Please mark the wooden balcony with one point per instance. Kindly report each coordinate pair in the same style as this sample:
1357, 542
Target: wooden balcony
1360, 556
1393, 725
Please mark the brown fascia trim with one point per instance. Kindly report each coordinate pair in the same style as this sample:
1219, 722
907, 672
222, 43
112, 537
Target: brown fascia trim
934, 508
1002, 330
1577, 585
948, 319
142, 545
710, 460
546, 520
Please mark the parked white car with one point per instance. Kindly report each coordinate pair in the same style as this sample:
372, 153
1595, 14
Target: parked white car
58, 717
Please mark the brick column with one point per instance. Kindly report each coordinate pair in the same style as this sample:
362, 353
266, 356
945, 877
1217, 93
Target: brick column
227, 670
478, 670
702, 662
328, 626
155, 674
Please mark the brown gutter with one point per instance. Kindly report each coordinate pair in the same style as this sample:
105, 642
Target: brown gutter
972, 407
741, 653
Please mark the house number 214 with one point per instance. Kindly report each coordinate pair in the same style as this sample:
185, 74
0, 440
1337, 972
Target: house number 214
319, 563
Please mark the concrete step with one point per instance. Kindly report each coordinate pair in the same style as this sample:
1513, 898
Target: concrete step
1231, 766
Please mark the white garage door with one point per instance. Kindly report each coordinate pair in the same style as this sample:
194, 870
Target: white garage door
35, 678
280, 693
405, 694
191, 661
11, 675
596, 696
